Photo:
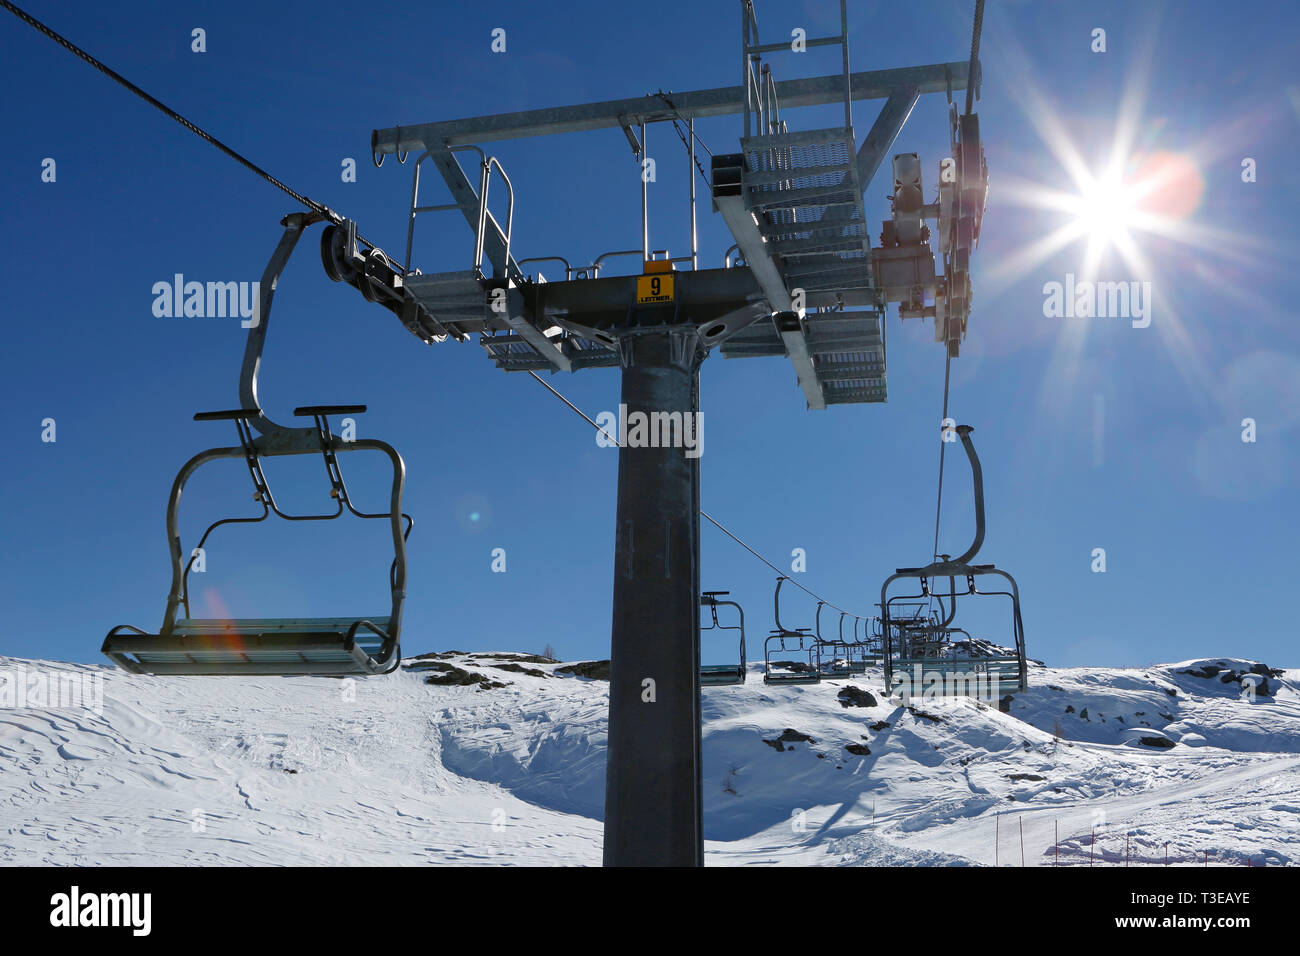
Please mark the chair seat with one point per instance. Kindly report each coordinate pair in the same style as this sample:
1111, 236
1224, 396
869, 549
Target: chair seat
254, 646
946, 664
717, 675
791, 677
1004, 669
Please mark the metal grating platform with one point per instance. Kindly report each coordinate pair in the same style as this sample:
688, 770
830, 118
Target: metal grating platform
803, 190
846, 348
512, 353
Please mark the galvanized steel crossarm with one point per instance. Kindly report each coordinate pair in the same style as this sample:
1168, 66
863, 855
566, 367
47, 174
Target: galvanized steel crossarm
613, 114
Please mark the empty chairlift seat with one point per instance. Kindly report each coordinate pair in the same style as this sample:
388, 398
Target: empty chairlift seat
790, 657
258, 646
713, 675
919, 656
254, 646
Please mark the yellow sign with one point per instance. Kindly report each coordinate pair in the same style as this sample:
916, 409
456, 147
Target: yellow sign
654, 288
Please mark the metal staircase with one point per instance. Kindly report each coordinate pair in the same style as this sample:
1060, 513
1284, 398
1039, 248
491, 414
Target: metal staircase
793, 202
804, 192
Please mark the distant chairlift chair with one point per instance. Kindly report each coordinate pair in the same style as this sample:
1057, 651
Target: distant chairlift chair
911, 639
326, 646
856, 650
837, 663
715, 675
783, 641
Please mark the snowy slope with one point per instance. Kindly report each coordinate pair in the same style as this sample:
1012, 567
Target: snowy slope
394, 770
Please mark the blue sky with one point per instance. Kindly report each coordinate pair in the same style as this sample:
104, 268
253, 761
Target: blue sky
1198, 526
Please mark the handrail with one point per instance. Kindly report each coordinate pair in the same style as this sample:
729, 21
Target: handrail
415, 193
597, 265
773, 111
568, 269
484, 214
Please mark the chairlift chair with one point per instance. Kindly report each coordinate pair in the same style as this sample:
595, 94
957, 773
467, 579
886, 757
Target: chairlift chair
838, 663
783, 641
715, 675
364, 644
901, 625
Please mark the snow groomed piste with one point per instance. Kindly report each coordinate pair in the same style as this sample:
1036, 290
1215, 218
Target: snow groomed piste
501, 760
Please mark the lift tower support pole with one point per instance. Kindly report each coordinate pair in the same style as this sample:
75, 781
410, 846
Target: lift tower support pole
653, 780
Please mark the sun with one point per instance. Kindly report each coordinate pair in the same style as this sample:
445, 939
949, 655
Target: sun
1115, 195
1106, 210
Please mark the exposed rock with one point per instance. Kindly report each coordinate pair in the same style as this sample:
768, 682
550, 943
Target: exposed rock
851, 696
521, 658
789, 736
858, 750
924, 716
450, 676
1025, 776
797, 667
520, 669
592, 670
880, 725
1164, 742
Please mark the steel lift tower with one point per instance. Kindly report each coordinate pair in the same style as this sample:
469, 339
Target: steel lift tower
806, 284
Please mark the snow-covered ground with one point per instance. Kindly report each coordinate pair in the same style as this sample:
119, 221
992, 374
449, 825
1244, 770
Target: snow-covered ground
393, 770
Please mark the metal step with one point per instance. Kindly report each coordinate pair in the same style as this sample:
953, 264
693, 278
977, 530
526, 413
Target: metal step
448, 287
453, 298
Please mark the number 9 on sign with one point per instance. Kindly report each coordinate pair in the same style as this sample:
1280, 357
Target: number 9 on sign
654, 288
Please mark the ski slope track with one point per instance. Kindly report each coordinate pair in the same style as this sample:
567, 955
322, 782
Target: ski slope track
509, 769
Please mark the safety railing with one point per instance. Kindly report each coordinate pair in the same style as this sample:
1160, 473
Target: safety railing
484, 214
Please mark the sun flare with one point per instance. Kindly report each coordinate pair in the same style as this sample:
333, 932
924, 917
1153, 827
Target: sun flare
1106, 210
